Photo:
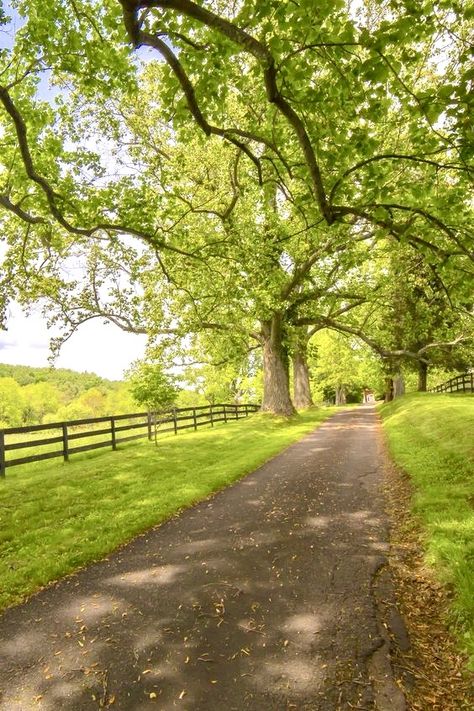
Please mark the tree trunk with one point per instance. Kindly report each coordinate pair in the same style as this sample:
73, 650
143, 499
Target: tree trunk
340, 395
276, 383
301, 385
422, 376
398, 385
388, 389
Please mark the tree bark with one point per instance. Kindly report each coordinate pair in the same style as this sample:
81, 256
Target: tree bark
422, 376
340, 395
388, 389
302, 398
398, 385
276, 383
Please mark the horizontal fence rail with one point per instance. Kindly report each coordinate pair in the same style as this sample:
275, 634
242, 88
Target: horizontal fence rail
62, 436
460, 384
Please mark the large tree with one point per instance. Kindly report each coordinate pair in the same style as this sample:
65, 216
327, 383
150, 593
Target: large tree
346, 129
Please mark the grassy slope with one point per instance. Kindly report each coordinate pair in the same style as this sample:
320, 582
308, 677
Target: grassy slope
431, 437
56, 517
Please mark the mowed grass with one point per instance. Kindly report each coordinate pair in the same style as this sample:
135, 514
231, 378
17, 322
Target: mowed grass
56, 517
430, 435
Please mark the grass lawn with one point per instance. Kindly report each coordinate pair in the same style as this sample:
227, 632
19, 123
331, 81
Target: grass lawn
56, 517
431, 437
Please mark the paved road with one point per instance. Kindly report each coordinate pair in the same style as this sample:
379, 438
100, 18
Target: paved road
268, 596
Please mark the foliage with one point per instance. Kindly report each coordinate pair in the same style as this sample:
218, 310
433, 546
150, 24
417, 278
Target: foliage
338, 361
430, 437
11, 401
40, 399
93, 509
219, 373
70, 382
190, 398
256, 173
150, 386
40, 395
413, 322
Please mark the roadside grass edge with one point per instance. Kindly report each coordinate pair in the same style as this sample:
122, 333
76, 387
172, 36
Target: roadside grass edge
429, 437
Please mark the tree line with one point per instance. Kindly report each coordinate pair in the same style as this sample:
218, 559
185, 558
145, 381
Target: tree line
233, 179
30, 396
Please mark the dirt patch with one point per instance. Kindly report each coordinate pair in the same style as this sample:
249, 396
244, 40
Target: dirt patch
431, 671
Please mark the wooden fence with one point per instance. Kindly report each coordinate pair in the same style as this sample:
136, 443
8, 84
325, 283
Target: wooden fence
460, 384
144, 424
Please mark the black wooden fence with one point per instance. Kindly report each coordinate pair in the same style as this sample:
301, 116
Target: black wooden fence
144, 424
460, 384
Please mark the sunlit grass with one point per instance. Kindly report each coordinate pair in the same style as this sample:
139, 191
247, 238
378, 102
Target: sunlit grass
56, 517
431, 437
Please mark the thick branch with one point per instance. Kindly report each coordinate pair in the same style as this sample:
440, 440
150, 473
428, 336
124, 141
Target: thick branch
15, 208
249, 44
383, 352
398, 231
52, 196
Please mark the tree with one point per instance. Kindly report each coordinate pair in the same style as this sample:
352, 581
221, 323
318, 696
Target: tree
342, 131
40, 400
11, 403
150, 386
415, 322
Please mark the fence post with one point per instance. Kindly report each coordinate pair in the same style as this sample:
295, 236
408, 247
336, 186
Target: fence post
212, 415
175, 421
149, 423
237, 412
112, 430
2, 455
65, 443
225, 414
194, 419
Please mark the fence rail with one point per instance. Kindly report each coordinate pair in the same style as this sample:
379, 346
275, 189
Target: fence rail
150, 425
461, 383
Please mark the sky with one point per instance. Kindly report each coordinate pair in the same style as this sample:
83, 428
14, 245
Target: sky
96, 347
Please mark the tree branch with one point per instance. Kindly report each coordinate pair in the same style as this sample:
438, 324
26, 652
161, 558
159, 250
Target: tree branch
394, 156
52, 196
249, 44
15, 208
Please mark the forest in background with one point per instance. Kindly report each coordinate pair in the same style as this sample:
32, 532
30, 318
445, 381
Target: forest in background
38, 395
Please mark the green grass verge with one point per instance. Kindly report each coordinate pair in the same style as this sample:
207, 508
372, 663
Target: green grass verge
431, 437
56, 517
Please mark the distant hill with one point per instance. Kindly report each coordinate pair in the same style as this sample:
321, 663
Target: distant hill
36, 395
64, 378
